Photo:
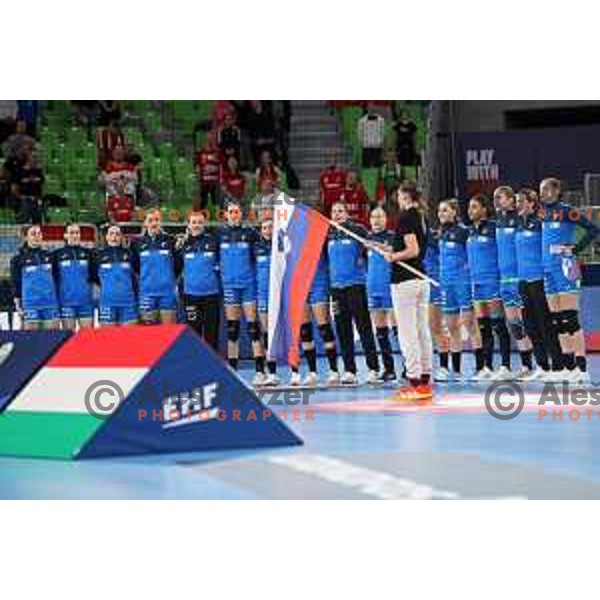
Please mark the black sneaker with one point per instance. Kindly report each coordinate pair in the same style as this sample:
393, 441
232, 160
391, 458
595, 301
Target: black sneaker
389, 376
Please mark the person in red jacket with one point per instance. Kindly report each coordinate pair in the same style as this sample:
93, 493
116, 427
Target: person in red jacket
233, 181
331, 185
208, 168
119, 178
355, 197
267, 171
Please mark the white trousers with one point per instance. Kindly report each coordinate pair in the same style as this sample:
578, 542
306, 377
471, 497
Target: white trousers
411, 309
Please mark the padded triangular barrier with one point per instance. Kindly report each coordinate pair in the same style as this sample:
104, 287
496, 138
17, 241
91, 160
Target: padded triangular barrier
176, 395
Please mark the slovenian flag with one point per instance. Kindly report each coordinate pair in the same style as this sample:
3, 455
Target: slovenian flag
298, 237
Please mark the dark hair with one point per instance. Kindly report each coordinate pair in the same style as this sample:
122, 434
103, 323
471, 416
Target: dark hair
410, 188
530, 195
483, 201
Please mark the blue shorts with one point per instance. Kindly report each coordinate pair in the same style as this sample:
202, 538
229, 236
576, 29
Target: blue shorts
435, 295
555, 282
509, 293
263, 303
319, 292
154, 303
239, 295
486, 291
118, 315
380, 301
40, 314
77, 312
456, 298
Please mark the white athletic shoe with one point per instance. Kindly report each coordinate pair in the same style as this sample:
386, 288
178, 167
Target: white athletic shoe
272, 380
374, 378
311, 380
537, 375
260, 379
484, 374
579, 376
5, 351
333, 378
523, 374
442, 375
295, 380
349, 379
458, 378
503, 374
556, 376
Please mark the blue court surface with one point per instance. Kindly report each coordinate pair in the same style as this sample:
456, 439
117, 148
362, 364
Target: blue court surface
358, 444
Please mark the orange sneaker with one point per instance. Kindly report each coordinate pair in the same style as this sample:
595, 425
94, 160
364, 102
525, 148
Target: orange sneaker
425, 391
407, 394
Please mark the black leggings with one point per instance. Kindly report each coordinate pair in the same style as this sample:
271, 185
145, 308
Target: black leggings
203, 314
351, 306
538, 323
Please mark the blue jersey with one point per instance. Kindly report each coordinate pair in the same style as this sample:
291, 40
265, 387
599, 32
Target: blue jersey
74, 273
346, 256
262, 254
482, 252
379, 271
199, 256
454, 262
559, 228
157, 263
529, 248
236, 247
34, 278
113, 271
507, 224
431, 261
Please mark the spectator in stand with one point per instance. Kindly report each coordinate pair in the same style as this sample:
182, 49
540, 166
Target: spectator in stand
264, 202
19, 142
406, 149
371, 135
229, 137
262, 130
27, 187
110, 112
356, 199
221, 110
8, 115
332, 182
107, 139
208, 169
267, 171
119, 177
282, 117
86, 114
233, 181
390, 177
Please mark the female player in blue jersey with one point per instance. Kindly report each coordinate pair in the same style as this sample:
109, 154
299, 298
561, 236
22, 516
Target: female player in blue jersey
485, 287
536, 313
437, 323
157, 264
456, 291
238, 278
73, 265
34, 282
262, 253
201, 290
113, 271
507, 225
379, 276
560, 222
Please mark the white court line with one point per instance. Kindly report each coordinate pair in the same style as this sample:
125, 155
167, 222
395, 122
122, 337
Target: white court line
366, 481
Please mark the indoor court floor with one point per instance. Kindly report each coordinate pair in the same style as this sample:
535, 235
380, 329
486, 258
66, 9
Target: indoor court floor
358, 444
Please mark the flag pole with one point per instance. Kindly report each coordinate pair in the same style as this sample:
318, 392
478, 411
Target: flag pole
365, 242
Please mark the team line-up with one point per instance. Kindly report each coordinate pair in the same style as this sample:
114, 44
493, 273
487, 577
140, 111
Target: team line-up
510, 274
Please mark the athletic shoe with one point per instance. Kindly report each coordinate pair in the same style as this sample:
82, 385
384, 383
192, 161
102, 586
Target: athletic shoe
579, 376
425, 391
503, 374
557, 376
458, 378
333, 378
414, 394
349, 378
295, 380
442, 375
311, 380
389, 376
537, 375
272, 380
260, 379
374, 378
5, 351
523, 374
484, 374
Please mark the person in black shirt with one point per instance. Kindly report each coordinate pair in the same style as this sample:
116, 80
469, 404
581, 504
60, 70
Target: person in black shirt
27, 188
405, 141
410, 293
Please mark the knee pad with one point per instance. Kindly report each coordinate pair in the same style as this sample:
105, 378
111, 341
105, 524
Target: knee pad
517, 329
254, 330
233, 331
556, 320
326, 331
306, 333
569, 322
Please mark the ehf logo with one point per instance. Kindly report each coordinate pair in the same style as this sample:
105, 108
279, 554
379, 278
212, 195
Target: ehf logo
199, 404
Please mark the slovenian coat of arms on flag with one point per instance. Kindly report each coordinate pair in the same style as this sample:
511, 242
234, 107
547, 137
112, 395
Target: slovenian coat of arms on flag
299, 233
